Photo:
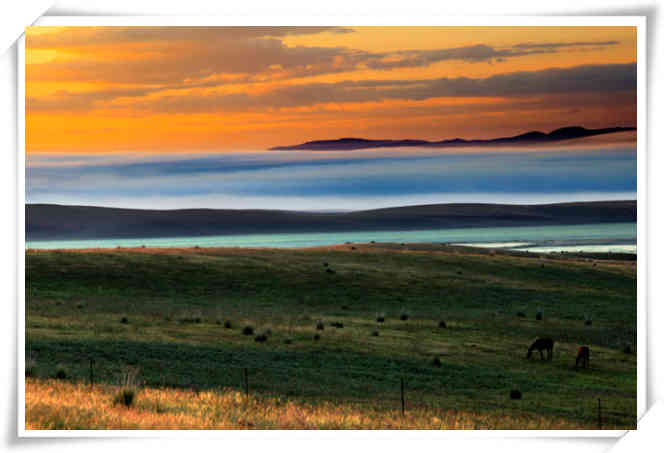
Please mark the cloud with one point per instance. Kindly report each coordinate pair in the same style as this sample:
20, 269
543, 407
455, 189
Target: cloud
559, 45
177, 55
69, 37
592, 79
606, 80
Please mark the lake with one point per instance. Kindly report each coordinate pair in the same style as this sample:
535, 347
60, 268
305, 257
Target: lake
606, 237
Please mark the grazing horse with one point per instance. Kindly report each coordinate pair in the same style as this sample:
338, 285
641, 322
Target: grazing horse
542, 344
583, 357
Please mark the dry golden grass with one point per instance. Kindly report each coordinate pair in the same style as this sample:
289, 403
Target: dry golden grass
52, 404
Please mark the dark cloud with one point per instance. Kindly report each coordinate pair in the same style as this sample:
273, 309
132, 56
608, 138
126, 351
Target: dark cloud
558, 45
602, 80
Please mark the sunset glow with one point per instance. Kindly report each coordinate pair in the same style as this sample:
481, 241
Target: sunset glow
200, 89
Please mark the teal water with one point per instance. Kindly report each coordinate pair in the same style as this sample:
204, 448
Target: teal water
606, 234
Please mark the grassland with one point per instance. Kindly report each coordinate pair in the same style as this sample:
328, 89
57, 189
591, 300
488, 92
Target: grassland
175, 303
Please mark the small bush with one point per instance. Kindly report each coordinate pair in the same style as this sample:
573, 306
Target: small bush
520, 314
515, 394
436, 362
345, 307
539, 316
124, 320
262, 338
404, 315
326, 264
374, 333
248, 330
320, 325
380, 317
442, 324
316, 337
329, 270
627, 349
227, 324
588, 322
288, 341
80, 306
61, 372
125, 397
267, 332
338, 325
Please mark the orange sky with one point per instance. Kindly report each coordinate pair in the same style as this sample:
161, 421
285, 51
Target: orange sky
163, 89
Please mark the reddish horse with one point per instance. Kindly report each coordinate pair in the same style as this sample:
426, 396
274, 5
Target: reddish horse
583, 357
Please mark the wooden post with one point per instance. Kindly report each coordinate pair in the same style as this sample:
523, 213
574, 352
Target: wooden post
403, 401
92, 373
599, 413
246, 383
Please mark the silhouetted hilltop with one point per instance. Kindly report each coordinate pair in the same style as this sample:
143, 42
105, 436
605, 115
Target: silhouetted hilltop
51, 222
534, 137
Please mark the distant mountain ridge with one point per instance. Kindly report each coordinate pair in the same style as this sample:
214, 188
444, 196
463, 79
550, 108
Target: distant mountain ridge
533, 137
58, 222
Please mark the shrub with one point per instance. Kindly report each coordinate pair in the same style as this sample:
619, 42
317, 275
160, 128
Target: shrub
326, 264
125, 397
61, 372
380, 317
227, 324
404, 315
338, 325
436, 362
316, 337
539, 315
515, 394
374, 333
80, 306
248, 330
261, 338
320, 325
588, 320
627, 349
288, 341
520, 314
329, 270
345, 307
442, 324
124, 320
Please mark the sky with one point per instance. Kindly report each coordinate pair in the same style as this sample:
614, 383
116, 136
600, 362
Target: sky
183, 116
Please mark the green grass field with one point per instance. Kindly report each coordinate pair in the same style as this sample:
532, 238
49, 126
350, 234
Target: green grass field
176, 302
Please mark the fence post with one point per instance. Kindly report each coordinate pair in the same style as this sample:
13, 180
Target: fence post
403, 400
246, 383
92, 373
599, 413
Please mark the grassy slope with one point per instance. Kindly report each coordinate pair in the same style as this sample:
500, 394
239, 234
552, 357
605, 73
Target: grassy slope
75, 301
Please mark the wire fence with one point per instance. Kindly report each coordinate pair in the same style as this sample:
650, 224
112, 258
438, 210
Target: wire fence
402, 391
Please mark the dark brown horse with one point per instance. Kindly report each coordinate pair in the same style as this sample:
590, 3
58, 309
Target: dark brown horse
583, 357
542, 344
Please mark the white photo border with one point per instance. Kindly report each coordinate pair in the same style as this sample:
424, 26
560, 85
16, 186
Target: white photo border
375, 20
